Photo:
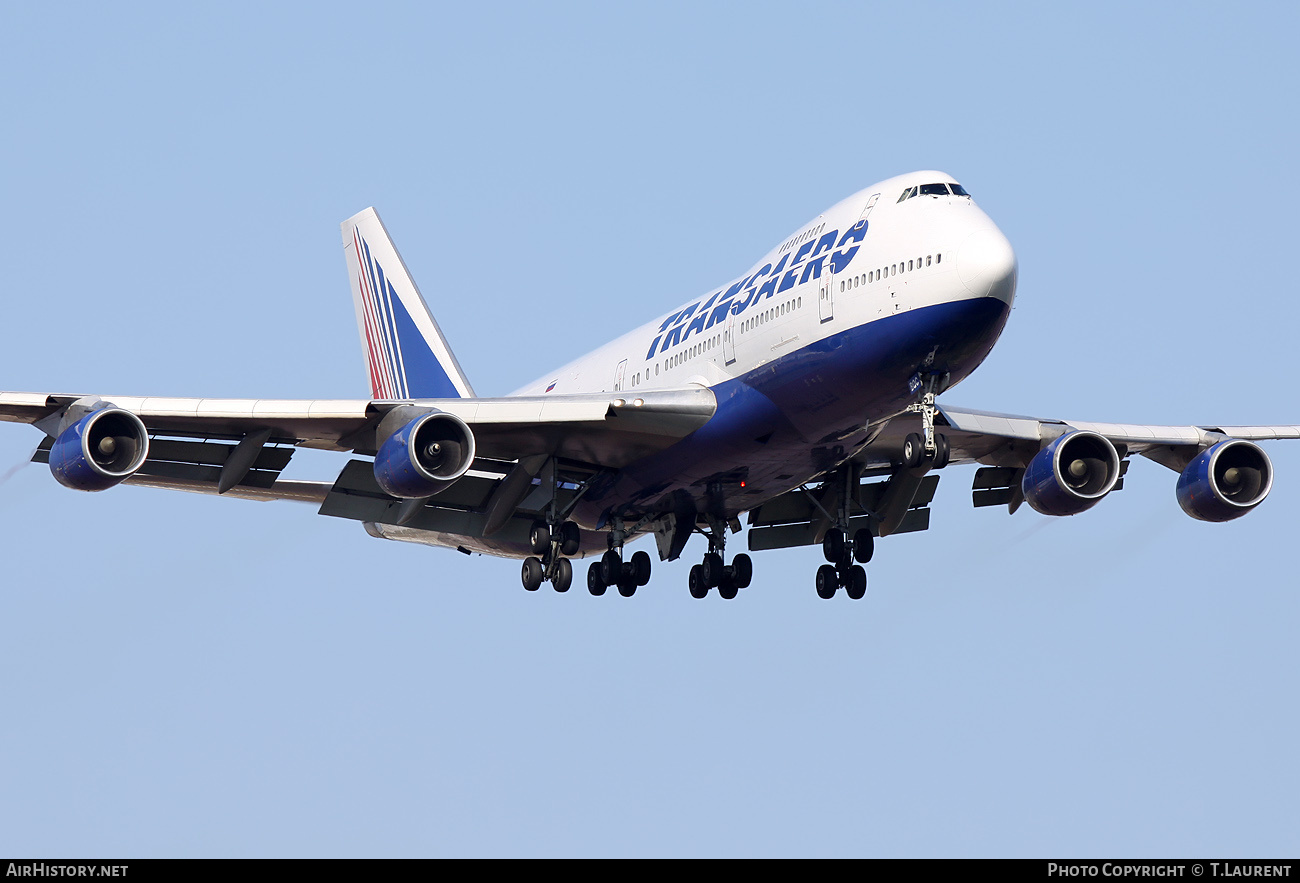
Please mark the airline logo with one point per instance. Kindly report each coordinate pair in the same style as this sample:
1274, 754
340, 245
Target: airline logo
402, 364
795, 268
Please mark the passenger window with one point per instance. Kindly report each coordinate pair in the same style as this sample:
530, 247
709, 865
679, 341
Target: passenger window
927, 260
909, 265
938, 258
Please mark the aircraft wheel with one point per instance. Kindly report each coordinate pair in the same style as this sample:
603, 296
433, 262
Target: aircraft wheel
641, 568
827, 581
539, 537
856, 583
532, 574
595, 584
699, 588
742, 568
913, 450
626, 588
942, 451
570, 538
833, 545
864, 545
611, 567
727, 588
713, 570
563, 577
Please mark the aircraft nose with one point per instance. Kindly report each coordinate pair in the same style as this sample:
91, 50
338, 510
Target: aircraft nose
986, 264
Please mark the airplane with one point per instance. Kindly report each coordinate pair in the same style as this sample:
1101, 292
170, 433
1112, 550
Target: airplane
800, 395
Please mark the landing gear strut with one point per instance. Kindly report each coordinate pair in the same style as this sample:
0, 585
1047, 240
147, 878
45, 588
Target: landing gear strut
713, 573
548, 561
927, 444
552, 541
612, 570
844, 555
841, 572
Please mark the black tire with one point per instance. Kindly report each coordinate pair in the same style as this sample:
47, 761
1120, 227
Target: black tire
913, 450
827, 581
742, 570
539, 538
942, 451
570, 538
833, 545
595, 584
698, 587
856, 583
563, 577
864, 545
713, 570
727, 589
532, 574
626, 588
641, 568
611, 567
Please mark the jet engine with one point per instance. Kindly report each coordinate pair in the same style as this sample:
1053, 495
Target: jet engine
1071, 474
1225, 481
425, 456
100, 450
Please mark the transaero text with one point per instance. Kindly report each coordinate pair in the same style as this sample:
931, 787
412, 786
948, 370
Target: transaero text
797, 268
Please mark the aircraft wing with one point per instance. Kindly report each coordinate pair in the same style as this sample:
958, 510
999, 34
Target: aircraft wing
1003, 444
995, 439
600, 430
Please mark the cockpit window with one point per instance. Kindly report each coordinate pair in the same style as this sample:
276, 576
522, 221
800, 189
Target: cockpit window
934, 190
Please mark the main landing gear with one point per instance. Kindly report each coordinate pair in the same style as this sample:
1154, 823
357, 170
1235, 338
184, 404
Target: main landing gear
552, 547
841, 572
612, 570
712, 573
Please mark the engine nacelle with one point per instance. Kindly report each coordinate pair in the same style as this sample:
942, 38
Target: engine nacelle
1225, 481
100, 450
1071, 474
425, 456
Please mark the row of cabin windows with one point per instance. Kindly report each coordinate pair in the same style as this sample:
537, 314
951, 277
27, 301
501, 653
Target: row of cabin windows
802, 237
700, 348
689, 353
891, 270
773, 313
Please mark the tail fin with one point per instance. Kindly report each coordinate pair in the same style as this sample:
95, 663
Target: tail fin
406, 355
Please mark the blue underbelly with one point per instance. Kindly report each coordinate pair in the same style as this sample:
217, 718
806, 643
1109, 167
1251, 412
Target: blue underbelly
793, 418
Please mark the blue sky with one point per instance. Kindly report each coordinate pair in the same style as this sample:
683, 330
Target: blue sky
189, 676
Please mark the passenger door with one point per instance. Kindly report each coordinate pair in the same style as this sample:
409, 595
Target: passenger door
729, 340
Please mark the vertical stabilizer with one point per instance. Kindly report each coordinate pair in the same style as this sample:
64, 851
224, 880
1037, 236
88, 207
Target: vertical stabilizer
405, 353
